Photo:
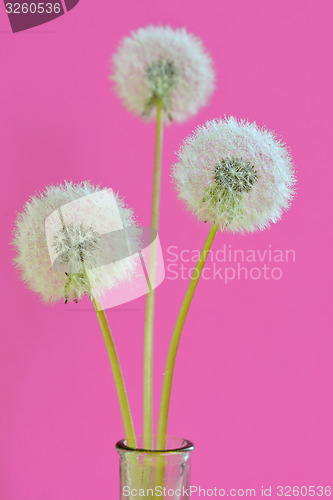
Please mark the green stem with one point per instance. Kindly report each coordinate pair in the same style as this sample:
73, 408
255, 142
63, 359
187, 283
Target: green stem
150, 298
117, 375
172, 353
111, 350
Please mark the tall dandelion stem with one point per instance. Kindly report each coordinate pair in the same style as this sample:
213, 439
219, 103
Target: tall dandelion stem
117, 375
150, 298
173, 348
157, 166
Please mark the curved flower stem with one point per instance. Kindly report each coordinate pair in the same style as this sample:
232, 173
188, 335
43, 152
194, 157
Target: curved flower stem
171, 358
117, 374
150, 298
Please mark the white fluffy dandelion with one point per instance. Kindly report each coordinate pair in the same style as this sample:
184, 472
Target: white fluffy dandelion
61, 247
158, 63
234, 174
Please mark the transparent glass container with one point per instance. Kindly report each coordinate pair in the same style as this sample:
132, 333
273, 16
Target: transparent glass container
153, 473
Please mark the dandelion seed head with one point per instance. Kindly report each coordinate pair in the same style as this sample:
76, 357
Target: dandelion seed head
235, 174
161, 63
74, 243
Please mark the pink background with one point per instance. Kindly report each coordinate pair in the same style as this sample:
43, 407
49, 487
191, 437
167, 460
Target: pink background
253, 383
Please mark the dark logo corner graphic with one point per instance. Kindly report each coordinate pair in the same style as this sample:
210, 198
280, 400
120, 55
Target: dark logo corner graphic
27, 14
70, 4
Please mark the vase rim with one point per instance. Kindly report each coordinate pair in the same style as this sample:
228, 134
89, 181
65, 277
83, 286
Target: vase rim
185, 447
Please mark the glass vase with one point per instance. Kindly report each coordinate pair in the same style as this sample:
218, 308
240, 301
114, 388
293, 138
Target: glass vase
155, 474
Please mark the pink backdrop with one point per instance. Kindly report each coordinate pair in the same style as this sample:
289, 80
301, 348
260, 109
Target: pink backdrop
253, 383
